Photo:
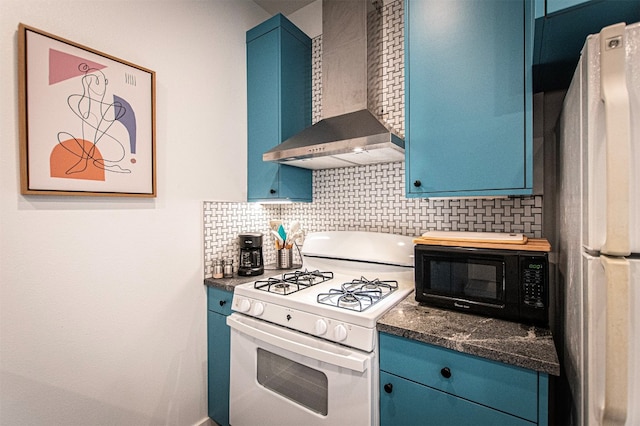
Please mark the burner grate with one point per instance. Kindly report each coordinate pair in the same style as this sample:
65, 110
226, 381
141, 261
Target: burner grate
292, 282
359, 294
307, 277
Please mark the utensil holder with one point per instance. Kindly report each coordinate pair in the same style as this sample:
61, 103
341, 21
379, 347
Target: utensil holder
284, 258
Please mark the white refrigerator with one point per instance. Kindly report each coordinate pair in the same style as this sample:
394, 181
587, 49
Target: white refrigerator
599, 229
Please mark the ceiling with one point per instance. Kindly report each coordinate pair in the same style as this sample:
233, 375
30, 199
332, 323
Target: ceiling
285, 7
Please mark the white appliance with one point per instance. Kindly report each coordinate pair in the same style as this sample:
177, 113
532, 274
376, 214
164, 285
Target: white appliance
304, 346
599, 228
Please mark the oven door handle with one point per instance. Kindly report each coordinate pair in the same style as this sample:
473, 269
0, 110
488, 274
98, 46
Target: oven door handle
300, 344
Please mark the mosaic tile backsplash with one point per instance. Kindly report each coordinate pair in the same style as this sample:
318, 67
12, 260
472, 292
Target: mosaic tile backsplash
367, 198
364, 198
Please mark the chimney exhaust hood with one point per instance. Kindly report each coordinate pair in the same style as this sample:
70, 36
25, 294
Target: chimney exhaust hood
349, 134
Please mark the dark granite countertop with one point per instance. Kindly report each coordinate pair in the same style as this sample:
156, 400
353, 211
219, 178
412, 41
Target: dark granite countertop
504, 341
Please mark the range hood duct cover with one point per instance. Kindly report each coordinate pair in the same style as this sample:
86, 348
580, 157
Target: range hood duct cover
349, 134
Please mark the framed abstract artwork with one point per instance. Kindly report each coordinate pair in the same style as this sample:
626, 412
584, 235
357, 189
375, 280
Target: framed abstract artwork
87, 120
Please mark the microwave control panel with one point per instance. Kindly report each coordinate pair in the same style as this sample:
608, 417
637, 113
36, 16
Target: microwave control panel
534, 281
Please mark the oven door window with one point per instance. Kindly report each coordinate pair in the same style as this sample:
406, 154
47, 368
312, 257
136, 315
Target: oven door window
297, 382
471, 279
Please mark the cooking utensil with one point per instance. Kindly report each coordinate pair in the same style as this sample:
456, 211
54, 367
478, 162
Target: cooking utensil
279, 240
293, 228
282, 233
291, 238
274, 224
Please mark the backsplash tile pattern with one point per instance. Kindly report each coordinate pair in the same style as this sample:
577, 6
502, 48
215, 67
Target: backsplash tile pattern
367, 198
386, 64
223, 221
371, 198
316, 79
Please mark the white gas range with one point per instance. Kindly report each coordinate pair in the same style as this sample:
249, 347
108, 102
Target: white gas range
304, 344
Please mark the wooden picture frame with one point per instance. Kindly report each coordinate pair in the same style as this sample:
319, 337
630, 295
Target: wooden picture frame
87, 120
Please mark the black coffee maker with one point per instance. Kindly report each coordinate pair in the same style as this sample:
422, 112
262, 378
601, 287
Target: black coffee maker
251, 261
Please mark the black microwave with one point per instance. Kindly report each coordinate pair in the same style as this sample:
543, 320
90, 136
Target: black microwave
507, 284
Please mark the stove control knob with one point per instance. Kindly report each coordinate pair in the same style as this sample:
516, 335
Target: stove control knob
321, 327
340, 332
258, 308
244, 305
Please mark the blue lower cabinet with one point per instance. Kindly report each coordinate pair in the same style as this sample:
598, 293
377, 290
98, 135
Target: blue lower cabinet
421, 382
403, 402
218, 345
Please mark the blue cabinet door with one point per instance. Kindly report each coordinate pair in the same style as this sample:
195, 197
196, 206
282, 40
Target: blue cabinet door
278, 106
403, 402
263, 118
468, 97
562, 31
218, 345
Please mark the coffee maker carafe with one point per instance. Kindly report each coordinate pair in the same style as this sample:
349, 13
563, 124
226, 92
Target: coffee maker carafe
251, 261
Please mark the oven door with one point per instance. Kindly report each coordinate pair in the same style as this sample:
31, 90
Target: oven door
283, 377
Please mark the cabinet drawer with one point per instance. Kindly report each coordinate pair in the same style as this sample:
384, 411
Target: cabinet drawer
219, 300
507, 388
403, 402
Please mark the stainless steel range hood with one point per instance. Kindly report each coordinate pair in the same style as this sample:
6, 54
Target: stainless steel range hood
349, 134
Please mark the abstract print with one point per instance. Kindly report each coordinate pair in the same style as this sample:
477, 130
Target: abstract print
79, 155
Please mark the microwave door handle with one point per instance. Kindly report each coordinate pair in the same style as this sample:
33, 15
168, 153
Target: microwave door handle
290, 340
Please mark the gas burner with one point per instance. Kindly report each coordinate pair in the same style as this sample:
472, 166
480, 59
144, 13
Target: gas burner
358, 295
292, 282
277, 285
348, 300
383, 287
307, 277
281, 287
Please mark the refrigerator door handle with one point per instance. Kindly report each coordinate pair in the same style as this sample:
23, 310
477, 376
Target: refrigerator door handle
615, 95
617, 272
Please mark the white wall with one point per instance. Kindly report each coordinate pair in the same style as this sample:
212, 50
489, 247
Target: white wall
102, 303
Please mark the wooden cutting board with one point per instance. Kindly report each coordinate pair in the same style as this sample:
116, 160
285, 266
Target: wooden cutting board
494, 240
481, 237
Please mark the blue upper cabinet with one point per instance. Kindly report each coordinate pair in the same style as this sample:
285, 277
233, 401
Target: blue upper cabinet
468, 97
554, 6
562, 27
278, 106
